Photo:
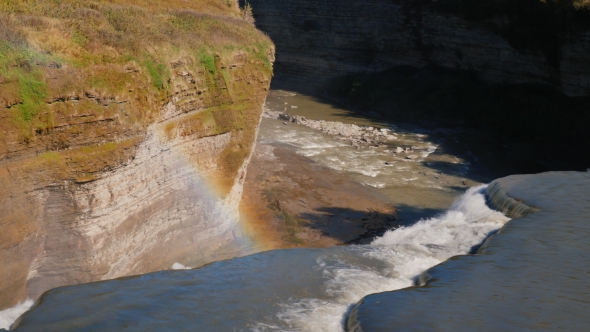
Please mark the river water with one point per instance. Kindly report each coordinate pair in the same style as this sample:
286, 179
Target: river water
419, 188
280, 290
532, 276
301, 289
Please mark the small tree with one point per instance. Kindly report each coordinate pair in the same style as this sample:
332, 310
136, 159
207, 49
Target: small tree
247, 14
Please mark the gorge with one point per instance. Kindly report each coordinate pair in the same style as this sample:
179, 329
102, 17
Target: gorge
128, 132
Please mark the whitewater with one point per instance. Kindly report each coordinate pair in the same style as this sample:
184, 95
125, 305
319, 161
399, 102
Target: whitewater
391, 262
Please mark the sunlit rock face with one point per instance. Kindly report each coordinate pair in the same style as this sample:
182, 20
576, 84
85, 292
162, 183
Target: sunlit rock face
164, 203
131, 175
319, 40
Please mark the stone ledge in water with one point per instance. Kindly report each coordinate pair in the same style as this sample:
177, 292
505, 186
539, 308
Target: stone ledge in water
531, 276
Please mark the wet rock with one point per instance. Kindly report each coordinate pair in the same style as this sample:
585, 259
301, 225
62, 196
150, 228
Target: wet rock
268, 114
399, 150
412, 157
356, 134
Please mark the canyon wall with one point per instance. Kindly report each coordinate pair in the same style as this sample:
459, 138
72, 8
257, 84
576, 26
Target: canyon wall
123, 148
319, 40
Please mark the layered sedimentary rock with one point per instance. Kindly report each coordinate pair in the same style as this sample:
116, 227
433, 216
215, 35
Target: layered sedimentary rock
319, 40
112, 164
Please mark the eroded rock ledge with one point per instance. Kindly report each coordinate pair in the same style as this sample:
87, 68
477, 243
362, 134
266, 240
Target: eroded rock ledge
525, 277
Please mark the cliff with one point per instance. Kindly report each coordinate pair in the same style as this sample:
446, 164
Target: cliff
500, 41
125, 132
515, 71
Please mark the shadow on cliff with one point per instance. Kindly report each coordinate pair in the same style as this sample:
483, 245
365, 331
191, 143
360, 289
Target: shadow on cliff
526, 128
344, 109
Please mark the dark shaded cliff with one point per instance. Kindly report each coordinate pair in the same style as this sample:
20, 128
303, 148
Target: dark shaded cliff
516, 71
501, 41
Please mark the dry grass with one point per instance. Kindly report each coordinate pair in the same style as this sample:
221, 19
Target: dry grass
79, 73
96, 39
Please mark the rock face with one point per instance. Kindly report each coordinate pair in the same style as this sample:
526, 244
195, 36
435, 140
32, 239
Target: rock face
103, 181
318, 40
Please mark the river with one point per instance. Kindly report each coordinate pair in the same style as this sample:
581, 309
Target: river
419, 188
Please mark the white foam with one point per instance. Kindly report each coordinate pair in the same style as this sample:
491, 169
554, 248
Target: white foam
430, 149
379, 185
178, 266
401, 255
8, 316
367, 172
410, 179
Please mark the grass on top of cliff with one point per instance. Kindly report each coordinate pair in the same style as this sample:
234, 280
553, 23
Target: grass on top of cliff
94, 42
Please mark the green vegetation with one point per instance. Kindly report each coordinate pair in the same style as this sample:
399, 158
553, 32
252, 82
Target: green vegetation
158, 72
17, 64
99, 40
33, 94
82, 72
260, 52
208, 60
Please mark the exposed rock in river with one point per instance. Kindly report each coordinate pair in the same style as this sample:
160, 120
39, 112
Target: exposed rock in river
356, 135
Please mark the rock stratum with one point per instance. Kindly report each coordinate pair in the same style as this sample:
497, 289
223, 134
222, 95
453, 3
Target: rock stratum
500, 41
125, 132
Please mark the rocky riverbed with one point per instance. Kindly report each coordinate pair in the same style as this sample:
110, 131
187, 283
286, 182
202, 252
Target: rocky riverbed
358, 136
290, 201
314, 181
